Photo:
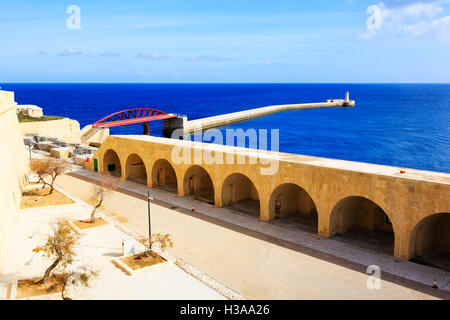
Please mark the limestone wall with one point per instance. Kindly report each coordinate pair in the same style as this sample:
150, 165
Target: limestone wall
13, 166
63, 129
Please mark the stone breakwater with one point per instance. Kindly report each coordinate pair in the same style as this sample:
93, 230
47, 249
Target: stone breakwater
224, 119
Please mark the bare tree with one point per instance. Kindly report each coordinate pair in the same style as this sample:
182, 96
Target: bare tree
48, 167
106, 185
60, 247
163, 240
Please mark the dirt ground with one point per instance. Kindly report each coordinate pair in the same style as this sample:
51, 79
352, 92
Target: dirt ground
139, 261
85, 224
33, 197
29, 287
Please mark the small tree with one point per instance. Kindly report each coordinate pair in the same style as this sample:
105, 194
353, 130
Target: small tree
48, 167
163, 240
106, 185
60, 247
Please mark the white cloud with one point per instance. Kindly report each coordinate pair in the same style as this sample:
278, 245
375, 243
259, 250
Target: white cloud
70, 52
153, 56
404, 3
440, 27
412, 18
210, 58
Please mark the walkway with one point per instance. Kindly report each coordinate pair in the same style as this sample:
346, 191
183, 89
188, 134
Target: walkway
97, 248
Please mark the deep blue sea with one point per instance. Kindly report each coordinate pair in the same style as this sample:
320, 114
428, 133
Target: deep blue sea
405, 125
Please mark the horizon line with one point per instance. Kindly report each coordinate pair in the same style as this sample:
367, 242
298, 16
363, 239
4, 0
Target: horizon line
262, 83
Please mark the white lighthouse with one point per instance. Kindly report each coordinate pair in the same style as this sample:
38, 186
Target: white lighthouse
347, 101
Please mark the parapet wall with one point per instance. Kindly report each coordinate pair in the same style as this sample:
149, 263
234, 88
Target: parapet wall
13, 166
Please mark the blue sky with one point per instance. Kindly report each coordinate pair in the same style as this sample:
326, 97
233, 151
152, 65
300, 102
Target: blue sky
203, 41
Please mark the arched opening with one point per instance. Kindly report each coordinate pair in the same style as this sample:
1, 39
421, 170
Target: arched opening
111, 163
163, 176
240, 194
136, 169
363, 223
430, 241
198, 184
292, 206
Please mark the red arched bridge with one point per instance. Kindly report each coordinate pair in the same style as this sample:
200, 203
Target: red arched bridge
131, 116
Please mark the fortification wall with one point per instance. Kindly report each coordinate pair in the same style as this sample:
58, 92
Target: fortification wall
13, 166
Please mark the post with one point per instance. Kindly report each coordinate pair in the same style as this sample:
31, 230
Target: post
146, 127
30, 145
149, 221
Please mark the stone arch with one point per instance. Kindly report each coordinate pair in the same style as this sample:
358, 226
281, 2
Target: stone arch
430, 241
291, 205
362, 222
164, 176
240, 194
111, 163
198, 183
135, 169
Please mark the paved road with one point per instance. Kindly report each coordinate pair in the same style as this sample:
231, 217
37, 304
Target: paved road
255, 267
